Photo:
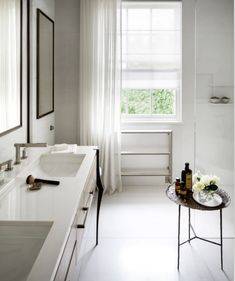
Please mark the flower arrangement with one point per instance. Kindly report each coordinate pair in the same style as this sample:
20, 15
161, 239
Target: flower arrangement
205, 182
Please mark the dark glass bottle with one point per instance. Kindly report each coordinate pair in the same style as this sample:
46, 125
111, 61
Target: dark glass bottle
177, 186
186, 177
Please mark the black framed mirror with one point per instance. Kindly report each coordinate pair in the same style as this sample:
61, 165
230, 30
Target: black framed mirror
45, 64
11, 66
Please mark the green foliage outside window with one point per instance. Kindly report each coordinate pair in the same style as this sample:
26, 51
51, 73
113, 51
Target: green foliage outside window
148, 101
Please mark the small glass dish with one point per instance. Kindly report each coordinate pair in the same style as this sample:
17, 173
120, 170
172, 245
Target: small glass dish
225, 100
215, 100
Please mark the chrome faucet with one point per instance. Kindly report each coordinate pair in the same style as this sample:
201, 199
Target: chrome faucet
19, 145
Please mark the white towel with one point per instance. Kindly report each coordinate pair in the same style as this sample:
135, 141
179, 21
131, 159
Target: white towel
60, 147
64, 148
72, 148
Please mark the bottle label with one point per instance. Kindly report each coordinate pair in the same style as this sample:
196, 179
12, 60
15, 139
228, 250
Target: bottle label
188, 181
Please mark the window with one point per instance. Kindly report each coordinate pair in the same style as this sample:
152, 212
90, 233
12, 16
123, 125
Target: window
151, 61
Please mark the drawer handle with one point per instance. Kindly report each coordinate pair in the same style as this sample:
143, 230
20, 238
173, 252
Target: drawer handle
85, 209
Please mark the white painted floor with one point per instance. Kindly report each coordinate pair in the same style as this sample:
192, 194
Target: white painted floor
138, 241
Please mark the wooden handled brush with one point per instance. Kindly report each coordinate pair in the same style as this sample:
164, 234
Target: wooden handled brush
31, 180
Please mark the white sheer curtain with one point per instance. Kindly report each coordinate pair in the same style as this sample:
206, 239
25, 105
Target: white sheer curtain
99, 84
9, 64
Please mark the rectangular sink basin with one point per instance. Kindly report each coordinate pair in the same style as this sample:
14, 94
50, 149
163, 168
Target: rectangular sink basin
20, 244
59, 165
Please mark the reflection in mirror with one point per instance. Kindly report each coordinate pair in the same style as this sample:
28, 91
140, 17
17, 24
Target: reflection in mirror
10, 65
45, 64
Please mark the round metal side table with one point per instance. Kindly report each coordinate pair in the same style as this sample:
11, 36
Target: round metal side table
190, 203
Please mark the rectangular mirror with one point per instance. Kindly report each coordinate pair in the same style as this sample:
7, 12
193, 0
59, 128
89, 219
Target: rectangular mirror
10, 65
45, 64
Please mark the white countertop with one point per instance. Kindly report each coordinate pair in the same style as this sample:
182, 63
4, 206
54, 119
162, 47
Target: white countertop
56, 204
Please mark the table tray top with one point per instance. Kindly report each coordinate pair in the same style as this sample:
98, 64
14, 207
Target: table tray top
191, 203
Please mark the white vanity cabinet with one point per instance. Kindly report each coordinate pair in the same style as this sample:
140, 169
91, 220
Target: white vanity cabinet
70, 255
63, 208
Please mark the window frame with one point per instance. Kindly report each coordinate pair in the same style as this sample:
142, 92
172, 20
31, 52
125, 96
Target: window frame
158, 118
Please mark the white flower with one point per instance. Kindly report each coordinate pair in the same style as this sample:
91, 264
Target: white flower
206, 180
198, 186
215, 180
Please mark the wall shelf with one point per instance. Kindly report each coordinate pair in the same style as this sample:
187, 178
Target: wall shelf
221, 85
221, 103
207, 102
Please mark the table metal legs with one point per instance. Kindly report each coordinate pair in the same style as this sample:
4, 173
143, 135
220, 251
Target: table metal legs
221, 240
197, 237
189, 223
178, 260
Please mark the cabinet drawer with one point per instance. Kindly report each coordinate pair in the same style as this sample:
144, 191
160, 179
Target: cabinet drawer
91, 183
83, 212
67, 256
72, 264
89, 189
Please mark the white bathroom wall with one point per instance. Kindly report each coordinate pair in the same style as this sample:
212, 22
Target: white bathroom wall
66, 70
7, 149
214, 77
39, 128
183, 133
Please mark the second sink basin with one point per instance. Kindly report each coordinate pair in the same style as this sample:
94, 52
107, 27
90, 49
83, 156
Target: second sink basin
20, 244
59, 165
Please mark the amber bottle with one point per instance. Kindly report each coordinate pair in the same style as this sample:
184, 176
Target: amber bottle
177, 186
183, 191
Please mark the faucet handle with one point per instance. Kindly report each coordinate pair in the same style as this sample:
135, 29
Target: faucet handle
8, 163
24, 153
